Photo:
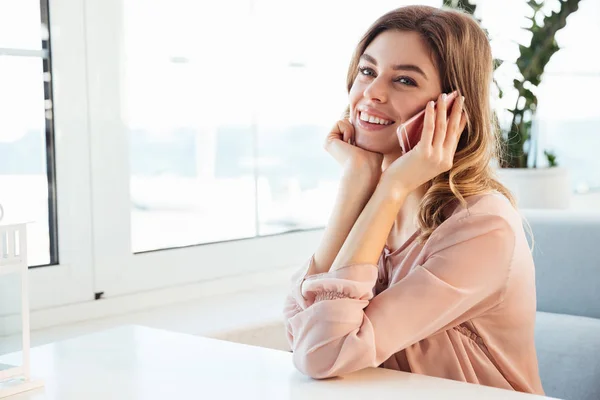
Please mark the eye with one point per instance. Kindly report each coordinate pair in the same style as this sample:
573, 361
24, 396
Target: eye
366, 71
405, 80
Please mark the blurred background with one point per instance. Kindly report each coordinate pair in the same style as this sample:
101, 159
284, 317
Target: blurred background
167, 159
219, 110
225, 120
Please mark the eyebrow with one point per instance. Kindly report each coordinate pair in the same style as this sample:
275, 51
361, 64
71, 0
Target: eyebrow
399, 67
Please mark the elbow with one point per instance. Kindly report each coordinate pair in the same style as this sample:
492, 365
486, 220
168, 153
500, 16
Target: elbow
331, 355
315, 365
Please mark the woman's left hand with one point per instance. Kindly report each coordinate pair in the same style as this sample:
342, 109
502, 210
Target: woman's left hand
434, 153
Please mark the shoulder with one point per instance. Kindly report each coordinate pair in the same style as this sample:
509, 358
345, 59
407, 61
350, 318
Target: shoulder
487, 207
489, 217
492, 204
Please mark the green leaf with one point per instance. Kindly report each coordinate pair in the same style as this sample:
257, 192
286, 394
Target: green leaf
530, 98
535, 5
464, 5
551, 157
518, 84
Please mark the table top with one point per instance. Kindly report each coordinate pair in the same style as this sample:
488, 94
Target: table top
134, 362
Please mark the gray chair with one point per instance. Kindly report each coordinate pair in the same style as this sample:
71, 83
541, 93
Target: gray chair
567, 259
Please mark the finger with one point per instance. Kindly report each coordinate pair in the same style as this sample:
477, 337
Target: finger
338, 149
441, 116
346, 129
346, 135
336, 141
352, 139
453, 129
428, 125
336, 132
452, 98
453, 146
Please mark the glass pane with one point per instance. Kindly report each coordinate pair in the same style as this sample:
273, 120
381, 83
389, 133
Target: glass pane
297, 178
23, 175
574, 56
20, 24
300, 99
243, 95
571, 128
192, 168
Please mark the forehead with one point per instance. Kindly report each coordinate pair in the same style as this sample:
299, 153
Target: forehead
393, 47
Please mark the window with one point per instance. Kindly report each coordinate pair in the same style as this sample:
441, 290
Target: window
45, 149
219, 123
188, 137
191, 138
226, 140
224, 149
569, 112
27, 175
568, 115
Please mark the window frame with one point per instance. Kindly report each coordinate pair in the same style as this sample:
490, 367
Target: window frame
118, 270
70, 280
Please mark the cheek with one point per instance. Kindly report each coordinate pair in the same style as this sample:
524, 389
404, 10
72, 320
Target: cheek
407, 107
355, 95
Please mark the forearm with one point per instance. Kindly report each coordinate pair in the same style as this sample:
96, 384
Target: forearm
368, 235
356, 187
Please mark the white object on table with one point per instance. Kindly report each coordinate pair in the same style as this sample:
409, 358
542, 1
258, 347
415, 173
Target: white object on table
15, 378
133, 362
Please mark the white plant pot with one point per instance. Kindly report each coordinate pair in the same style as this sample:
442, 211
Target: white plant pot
538, 187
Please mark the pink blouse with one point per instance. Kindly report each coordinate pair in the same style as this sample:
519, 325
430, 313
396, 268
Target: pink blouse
460, 306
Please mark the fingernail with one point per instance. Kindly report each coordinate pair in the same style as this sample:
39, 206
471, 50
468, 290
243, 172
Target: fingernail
462, 99
431, 104
444, 96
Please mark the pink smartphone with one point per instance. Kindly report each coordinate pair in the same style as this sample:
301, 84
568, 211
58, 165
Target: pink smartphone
409, 133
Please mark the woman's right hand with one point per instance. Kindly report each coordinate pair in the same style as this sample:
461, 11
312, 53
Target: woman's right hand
361, 175
340, 144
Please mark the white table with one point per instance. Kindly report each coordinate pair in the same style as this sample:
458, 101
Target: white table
134, 362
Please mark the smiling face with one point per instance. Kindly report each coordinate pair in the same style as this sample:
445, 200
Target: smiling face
396, 78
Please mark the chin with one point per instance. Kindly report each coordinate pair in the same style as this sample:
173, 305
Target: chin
377, 144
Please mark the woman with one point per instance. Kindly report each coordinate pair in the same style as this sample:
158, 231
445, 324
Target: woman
424, 265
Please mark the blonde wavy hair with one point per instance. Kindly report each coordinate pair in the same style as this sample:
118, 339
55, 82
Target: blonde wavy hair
461, 51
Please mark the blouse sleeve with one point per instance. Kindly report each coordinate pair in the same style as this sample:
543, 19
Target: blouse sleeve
335, 326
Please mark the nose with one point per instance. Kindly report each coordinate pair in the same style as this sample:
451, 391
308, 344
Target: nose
376, 91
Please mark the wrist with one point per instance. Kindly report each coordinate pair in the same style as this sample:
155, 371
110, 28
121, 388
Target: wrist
363, 175
392, 189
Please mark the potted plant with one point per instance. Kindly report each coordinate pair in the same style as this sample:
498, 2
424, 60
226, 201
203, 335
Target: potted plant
533, 186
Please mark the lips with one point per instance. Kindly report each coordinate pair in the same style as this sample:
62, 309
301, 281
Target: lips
364, 116
372, 115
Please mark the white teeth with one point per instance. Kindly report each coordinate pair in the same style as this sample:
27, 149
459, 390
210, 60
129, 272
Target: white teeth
374, 120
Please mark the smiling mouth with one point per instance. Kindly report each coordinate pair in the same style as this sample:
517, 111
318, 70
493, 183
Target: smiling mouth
366, 117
